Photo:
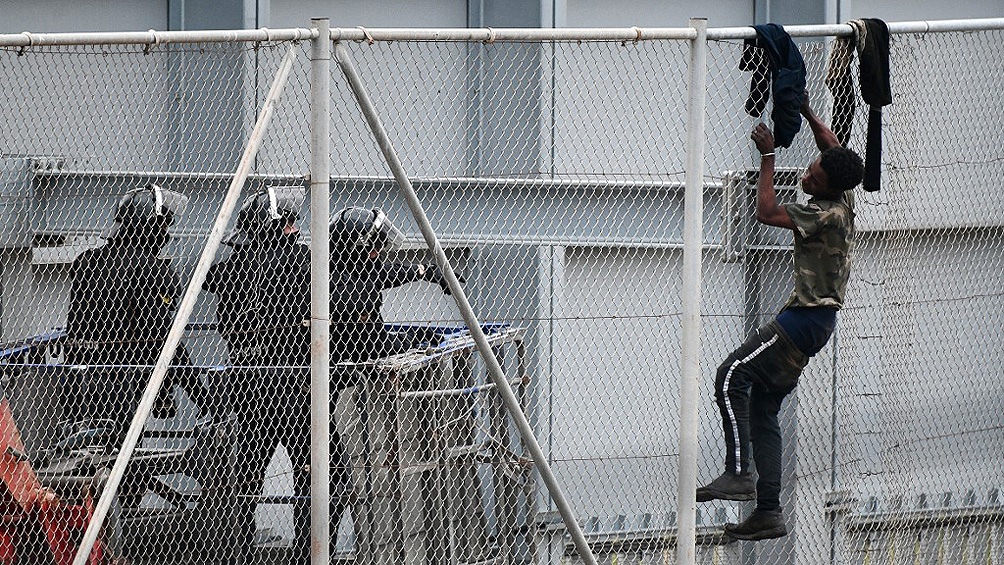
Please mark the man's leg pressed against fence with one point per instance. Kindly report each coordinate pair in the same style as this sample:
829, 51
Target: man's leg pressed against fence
767, 520
732, 388
749, 388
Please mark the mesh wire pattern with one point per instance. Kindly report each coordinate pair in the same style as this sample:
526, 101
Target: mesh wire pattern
553, 173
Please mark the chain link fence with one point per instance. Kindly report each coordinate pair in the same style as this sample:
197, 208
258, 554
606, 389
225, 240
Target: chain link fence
553, 173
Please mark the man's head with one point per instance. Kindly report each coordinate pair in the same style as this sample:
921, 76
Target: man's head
143, 216
268, 215
835, 170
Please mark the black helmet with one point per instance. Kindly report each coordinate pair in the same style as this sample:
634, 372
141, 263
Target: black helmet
147, 210
357, 230
265, 213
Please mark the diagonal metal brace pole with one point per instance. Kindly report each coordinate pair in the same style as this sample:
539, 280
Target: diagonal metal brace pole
184, 311
491, 361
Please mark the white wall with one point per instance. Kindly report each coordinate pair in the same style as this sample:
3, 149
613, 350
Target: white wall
908, 10
100, 15
920, 389
616, 358
642, 13
415, 13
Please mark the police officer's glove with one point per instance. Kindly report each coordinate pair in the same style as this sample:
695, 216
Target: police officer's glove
434, 275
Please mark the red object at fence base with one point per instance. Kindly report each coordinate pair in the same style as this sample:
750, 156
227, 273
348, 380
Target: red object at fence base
32, 518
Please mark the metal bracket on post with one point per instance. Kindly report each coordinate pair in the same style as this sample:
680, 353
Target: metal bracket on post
734, 213
491, 361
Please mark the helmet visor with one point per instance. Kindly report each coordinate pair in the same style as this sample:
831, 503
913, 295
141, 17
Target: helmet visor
167, 204
285, 201
383, 235
273, 203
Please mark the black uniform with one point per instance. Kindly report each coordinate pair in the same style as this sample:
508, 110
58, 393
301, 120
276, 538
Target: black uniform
358, 332
123, 300
263, 291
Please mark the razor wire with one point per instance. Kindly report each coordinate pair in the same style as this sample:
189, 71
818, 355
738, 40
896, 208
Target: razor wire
552, 172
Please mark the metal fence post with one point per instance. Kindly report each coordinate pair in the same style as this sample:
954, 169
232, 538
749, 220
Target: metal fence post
320, 329
690, 359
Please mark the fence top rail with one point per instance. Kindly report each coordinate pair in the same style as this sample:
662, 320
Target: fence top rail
481, 35
841, 30
153, 37
492, 35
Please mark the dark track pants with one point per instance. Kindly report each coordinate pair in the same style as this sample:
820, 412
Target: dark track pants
749, 387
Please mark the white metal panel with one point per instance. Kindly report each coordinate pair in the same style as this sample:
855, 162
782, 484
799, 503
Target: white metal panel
914, 369
616, 365
646, 13
908, 10
60, 16
418, 13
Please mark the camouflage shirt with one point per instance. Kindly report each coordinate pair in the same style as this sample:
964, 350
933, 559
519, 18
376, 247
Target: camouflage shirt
824, 230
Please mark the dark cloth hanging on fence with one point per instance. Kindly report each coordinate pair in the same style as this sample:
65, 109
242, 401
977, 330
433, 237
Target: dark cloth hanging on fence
872, 44
779, 67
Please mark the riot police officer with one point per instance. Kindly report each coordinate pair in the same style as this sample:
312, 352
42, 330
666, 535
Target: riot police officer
263, 300
123, 299
359, 275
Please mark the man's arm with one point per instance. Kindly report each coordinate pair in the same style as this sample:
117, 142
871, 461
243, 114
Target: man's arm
768, 211
825, 138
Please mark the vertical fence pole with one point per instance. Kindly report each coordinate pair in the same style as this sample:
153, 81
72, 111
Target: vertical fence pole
188, 301
320, 329
491, 361
690, 359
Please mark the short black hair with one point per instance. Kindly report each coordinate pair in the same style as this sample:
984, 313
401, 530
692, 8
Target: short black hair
844, 168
